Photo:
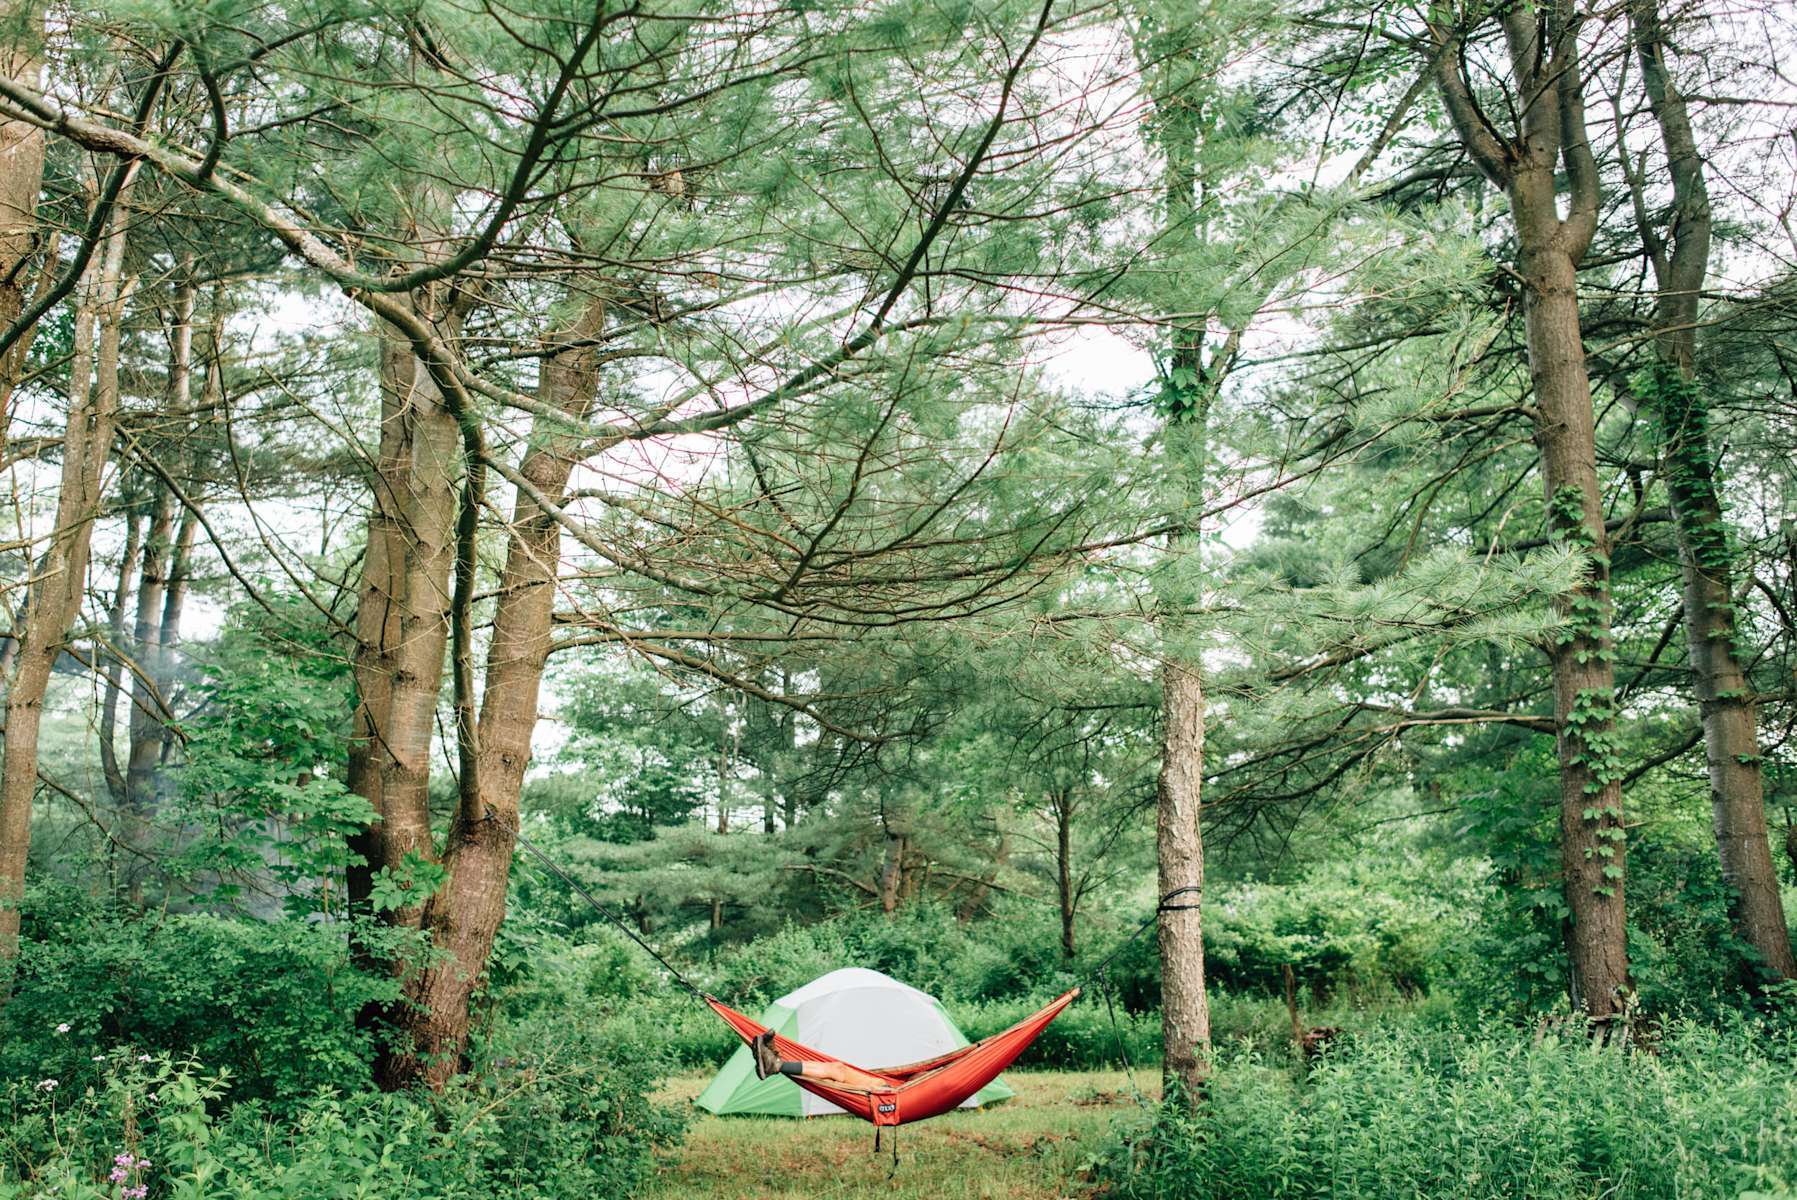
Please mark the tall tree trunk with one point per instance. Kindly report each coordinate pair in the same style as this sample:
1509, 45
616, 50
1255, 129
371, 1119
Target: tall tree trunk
463, 917
1592, 848
174, 601
1547, 95
147, 697
60, 577
402, 617
1179, 840
149, 712
723, 767
1694, 484
180, 566
115, 625
892, 872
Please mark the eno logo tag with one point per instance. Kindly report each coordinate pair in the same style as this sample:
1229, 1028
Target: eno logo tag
886, 1108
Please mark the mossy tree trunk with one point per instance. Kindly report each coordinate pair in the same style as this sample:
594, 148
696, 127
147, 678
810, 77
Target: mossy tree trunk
1179, 839
1680, 258
1526, 157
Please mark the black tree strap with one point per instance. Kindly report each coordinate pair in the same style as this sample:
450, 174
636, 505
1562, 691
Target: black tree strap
1163, 906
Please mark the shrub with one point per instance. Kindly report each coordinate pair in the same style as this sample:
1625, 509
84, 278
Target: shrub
1380, 928
1483, 1114
271, 1002
552, 1127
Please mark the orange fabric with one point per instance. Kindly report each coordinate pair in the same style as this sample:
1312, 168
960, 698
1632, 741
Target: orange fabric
918, 1091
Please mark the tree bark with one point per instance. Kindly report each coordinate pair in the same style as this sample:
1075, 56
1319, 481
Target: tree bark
174, 601
892, 872
724, 765
60, 577
1179, 840
463, 917
402, 617
1547, 91
115, 625
1694, 484
147, 695
21, 180
1179, 844
149, 689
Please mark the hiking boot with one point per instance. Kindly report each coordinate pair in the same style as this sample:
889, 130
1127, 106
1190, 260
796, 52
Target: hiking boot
767, 1059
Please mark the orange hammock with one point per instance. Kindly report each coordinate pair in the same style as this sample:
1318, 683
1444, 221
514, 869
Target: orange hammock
918, 1091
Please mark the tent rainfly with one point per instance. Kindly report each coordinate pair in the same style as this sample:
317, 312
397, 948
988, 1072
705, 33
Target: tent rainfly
860, 1016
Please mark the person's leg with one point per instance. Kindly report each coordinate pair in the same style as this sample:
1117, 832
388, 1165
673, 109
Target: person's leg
834, 1072
768, 1062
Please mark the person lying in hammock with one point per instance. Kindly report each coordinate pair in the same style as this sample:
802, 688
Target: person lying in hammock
768, 1062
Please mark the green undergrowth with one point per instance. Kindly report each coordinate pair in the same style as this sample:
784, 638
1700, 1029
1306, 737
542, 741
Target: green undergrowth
573, 1119
1471, 1114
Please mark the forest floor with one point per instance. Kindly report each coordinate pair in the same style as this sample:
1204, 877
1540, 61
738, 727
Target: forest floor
1028, 1148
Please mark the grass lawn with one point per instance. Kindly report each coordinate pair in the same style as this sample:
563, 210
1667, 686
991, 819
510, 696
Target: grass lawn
1027, 1148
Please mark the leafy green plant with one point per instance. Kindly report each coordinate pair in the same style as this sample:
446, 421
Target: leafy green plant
273, 1002
1481, 1113
155, 1127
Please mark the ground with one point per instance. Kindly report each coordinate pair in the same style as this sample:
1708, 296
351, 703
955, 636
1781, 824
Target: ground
1028, 1148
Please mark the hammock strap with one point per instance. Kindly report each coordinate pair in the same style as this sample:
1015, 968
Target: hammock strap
1165, 904
599, 908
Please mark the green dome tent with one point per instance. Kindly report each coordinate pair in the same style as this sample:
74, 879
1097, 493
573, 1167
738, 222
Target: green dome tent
857, 1015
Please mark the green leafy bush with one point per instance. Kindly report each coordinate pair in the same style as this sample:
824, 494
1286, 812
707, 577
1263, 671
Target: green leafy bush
1376, 929
262, 751
1711, 1113
1684, 955
555, 1126
271, 1002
